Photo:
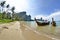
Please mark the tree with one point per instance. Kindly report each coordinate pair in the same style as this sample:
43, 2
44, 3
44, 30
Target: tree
7, 6
2, 5
12, 9
7, 9
4, 15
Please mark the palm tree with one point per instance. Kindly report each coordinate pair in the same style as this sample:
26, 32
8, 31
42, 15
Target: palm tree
2, 4
7, 9
7, 6
4, 15
13, 8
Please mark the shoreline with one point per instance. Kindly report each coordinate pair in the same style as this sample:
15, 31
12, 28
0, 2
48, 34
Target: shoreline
19, 31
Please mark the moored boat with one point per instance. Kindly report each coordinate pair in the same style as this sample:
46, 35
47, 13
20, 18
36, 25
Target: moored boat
53, 22
41, 23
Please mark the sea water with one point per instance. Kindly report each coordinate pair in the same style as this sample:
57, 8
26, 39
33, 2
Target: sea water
50, 30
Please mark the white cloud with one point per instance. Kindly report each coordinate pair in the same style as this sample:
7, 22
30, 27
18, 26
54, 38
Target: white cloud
55, 15
20, 5
39, 16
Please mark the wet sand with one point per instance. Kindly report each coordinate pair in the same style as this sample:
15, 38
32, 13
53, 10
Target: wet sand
30, 34
19, 31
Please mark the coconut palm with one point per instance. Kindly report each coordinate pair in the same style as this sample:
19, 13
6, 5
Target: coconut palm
2, 4
4, 15
7, 9
12, 9
7, 6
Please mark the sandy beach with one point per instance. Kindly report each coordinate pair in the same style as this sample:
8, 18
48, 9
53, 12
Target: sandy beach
18, 31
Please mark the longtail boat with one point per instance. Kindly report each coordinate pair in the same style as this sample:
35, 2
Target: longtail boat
41, 23
53, 22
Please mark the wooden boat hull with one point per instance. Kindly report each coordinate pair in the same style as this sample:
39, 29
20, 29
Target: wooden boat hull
53, 23
41, 24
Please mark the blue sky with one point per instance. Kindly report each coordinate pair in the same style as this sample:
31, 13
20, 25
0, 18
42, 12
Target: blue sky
44, 7
37, 8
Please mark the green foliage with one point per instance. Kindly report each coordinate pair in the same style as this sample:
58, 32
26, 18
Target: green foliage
0, 15
2, 3
7, 6
4, 16
5, 20
13, 8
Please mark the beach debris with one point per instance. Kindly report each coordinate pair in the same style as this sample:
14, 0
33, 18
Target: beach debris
5, 27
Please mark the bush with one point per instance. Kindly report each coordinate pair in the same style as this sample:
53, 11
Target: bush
5, 20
